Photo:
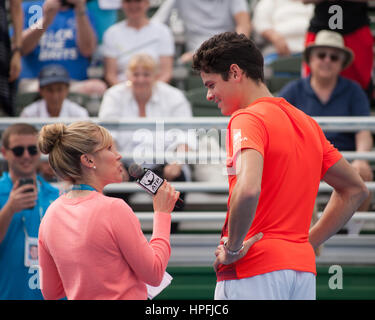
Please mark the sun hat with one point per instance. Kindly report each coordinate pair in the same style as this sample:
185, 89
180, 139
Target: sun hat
329, 39
53, 73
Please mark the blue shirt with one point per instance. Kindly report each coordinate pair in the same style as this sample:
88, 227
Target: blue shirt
58, 44
347, 99
18, 282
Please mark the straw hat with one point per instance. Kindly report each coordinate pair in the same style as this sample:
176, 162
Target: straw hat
329, 39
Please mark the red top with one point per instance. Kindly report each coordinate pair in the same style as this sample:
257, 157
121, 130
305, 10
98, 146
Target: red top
296, 156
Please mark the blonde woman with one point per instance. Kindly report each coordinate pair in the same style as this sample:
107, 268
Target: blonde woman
91, 246
144, 96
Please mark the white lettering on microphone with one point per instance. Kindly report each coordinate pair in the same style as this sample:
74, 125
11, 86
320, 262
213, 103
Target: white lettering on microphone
151, 181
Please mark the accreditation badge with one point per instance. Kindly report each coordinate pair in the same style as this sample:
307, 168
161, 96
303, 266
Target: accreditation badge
31, 251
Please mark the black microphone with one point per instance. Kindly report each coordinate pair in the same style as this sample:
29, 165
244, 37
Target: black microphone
149, 180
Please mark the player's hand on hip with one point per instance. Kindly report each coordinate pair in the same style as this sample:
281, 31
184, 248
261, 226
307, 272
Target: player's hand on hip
223, 257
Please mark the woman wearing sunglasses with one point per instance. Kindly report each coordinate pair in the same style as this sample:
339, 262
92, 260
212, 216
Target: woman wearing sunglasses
326, 93
91, 246
21, 210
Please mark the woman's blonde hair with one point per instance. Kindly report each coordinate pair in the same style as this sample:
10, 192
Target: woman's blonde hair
65, 144
142, 60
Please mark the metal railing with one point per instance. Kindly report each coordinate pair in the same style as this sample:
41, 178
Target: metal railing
217, 187
192, 157
219, 216
344, 124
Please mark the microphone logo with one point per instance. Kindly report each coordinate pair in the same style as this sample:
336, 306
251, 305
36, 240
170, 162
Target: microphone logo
151, 181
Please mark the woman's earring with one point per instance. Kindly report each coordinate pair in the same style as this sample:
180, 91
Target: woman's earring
94, 167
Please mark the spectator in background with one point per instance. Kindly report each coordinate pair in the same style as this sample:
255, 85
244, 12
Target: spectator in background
351, 20
64, 34
325, 93
136, 34
143, 96
10, 54
204, 18
283, 24
21, 211
53, 89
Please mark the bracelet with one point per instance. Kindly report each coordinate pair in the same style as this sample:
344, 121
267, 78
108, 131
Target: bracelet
230, 252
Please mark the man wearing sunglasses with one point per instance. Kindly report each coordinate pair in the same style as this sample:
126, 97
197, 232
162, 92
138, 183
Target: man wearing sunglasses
21, 210
326, 93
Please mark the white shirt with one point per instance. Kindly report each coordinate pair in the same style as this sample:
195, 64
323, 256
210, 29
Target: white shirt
203, 18
69, 109
166, 101
121, 42
290, 18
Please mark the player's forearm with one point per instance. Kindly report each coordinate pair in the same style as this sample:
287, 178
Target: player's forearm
338, 211
243, 205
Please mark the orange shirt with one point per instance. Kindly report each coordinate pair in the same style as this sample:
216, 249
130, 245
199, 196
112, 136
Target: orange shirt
296, 156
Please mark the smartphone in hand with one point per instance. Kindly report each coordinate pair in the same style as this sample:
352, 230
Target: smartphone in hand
25, 181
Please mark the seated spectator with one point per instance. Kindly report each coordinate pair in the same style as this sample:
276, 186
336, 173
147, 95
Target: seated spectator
136, 34
63, 35
204, 18
283, 24
10, 55
54, 89
326, 93
143, 96
21, 212
354, 25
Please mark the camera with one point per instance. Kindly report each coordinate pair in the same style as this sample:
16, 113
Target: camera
65, 3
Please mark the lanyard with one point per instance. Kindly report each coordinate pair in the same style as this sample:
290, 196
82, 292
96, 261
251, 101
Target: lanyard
83, 187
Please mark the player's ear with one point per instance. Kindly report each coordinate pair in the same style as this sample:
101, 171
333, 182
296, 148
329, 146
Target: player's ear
235, 72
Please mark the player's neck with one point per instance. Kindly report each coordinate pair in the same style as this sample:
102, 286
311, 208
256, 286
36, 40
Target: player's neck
254, 91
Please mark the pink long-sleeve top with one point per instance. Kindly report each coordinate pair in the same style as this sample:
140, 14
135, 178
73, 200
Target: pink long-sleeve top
92, 247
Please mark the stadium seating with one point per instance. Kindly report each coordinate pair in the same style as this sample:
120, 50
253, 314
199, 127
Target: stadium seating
282, 71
